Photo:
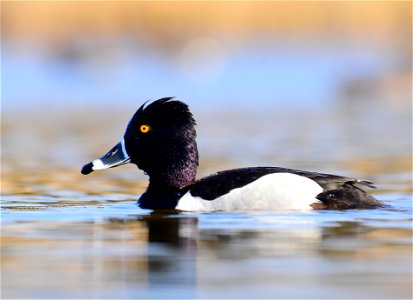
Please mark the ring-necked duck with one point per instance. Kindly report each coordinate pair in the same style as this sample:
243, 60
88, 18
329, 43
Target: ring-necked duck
160, 140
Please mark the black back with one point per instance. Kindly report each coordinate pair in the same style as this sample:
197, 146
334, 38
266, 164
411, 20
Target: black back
339, 191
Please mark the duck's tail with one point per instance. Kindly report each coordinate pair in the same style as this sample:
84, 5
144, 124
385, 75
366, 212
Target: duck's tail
348, 196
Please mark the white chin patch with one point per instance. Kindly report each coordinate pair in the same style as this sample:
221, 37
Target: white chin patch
98, 165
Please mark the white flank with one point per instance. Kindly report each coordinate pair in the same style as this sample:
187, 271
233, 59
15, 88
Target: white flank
277, 191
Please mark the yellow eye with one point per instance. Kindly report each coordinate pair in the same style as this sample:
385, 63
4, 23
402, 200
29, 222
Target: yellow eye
144, 128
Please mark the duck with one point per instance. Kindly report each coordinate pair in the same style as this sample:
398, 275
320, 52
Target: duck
160, 139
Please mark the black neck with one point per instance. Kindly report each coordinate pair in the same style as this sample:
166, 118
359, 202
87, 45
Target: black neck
169, 177
160, 198
174, 168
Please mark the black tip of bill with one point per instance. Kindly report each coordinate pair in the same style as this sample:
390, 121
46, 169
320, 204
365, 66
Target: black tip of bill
115, 157
87, 169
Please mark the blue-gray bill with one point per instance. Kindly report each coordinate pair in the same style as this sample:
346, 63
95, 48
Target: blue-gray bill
115, 157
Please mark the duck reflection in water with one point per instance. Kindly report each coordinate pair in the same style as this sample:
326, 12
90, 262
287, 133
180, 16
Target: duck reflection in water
171, 253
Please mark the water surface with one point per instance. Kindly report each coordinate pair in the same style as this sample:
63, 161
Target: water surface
65, 235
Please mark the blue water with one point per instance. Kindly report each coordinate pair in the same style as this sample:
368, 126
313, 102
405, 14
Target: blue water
113, 249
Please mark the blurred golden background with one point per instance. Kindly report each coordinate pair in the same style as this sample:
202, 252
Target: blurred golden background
318, 84
202, 42
171, 21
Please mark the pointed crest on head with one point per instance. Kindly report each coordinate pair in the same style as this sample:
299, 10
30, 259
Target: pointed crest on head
164, 112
